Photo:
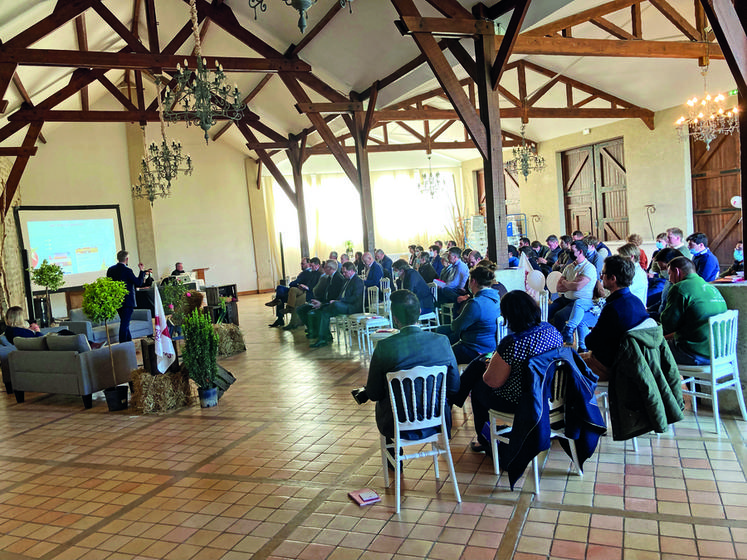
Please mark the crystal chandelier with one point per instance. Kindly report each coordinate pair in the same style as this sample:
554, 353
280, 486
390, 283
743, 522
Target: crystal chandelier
525, 159
160, 164
202, 94
707, 118
300, 5
431, 184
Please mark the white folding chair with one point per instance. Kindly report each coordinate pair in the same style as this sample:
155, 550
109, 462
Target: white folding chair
544, 303
603, 394
385, 284
723, 371
370, 309
369, 325
430, 321
501, 424
418, 398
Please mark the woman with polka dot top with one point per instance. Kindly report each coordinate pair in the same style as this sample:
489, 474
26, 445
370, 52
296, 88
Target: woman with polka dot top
499, 387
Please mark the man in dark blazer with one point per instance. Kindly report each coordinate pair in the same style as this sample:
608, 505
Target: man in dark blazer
408, 278
350, 301
409, 348
327, 288
123, 273
386, 263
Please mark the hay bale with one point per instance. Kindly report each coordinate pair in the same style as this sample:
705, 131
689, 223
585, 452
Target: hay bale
230, 339
160, 393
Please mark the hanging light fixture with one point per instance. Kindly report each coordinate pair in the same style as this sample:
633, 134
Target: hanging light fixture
300, 5
707, 118
202, 94
525, 159
431, 184
160, 164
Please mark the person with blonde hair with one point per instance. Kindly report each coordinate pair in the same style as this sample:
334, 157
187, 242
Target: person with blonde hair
637, 240
16, 325
639, 286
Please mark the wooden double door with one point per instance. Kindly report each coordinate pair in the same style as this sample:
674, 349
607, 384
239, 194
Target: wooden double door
716, 179
595, 190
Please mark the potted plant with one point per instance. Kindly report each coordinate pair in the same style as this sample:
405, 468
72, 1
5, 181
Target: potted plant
201, 356
49, 276
349, 248
101, 300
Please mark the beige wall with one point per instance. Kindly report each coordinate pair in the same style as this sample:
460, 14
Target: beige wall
658, 172
206, 223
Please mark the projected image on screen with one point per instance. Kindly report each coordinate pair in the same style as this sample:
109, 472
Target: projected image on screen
82, 240
77, 246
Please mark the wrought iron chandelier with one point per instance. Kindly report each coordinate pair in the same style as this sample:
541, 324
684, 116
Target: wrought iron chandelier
160, 164
202, 95
300, 5
707, 118
525, 159
431, 184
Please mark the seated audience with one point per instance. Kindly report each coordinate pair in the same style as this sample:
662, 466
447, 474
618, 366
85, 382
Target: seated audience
350, 301
540, 250
473, 332
386, 262
659, 284
453, 277
706, 263
661, 243
374, 272
551, 257
413, 255
407, 278
435, 252
513, 256
565, 256
576, 289
622, 311
426, 269
305, 281
637, 240
407, 349
17, 327
500, 386
639, 286
328, 287
473, 258
738, 264
578, 235
592, 256
690, 302
674, 240
360, 266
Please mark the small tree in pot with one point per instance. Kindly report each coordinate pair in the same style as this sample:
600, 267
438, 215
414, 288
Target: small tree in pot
201, 355
101, 300
49, 276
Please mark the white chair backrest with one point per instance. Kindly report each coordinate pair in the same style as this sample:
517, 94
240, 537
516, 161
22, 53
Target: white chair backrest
723, 336
501, 330
557, 393
418, 397
544, 304
372, 298
434, 291
385, 284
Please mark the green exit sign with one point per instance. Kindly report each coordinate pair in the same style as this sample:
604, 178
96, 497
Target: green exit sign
733, 92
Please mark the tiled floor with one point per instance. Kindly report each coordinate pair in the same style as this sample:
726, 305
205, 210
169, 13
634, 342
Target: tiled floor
266, 475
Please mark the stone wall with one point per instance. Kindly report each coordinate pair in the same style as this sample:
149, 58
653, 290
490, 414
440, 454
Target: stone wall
11, 275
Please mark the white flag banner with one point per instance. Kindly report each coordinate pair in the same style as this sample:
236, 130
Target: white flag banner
164, 347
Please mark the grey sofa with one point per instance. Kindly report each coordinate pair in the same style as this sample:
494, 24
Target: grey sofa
6, 348
66, 365
141, 325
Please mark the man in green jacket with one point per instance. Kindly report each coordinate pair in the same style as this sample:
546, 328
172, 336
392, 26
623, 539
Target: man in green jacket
690, 302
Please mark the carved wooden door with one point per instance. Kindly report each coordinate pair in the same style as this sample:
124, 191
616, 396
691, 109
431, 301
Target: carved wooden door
595, 188
716, 178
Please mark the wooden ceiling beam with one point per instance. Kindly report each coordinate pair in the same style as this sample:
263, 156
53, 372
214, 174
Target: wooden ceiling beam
463, 57
730, 27
63, 12
19, 165
508, 41
516, 112
444, 26
262, 128
676, 19
81, 37
143, 61
614, 30
266, 160
26, 98
38, 115
451, 9
531, 44
582, 17
119, 28
439, 91
311, 35
252, 94
119, 96
18, 151
389, 148
500, 8
347, 107
152, 24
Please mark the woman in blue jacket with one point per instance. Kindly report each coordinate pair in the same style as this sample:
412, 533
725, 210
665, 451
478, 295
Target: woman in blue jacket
473, 332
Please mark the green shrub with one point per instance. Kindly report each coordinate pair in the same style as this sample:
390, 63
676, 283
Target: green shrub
47, 275
101, 300
200, 349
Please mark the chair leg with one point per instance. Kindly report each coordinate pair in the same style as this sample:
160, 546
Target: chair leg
19, 396
535, 468
434, 448
87, 401
695, 399
635, 445
452, 472
740, 397
397, 479
714, 400
384, 461
574, 457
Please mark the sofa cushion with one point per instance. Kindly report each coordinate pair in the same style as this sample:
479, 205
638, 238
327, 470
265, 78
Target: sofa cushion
78, 343
36, 343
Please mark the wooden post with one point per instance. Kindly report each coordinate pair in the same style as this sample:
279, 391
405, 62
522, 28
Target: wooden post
295, 156
364, 174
